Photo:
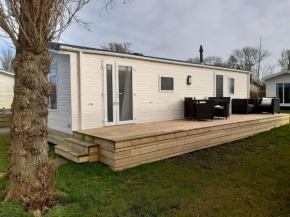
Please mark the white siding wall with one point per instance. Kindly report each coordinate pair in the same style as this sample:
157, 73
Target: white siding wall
150, 105
74, 62
6, 90
271, 85
61, 119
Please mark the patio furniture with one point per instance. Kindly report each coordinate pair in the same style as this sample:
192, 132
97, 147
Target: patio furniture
267, 104
188, 108
221, 106
195, 109
203, 109
243, 106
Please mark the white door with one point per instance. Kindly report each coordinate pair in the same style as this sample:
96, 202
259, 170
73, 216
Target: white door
119, 96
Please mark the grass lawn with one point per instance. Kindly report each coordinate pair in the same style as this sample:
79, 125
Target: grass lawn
249, 177
285, 111
4, 124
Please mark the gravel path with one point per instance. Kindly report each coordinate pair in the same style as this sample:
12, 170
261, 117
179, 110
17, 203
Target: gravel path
4, 130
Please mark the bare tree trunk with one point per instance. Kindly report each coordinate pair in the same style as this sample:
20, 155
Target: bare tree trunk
31, 175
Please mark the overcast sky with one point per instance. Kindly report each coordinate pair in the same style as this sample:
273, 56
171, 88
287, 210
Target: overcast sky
176, 29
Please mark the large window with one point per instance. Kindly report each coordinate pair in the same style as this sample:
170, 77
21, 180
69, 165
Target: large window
53, 85
286, 92
283, 92
232, 86
279, 91
166, 84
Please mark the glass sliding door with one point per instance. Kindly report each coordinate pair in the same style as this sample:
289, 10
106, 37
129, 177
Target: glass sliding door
279, 91
110, 101
286, 92
118, 93
125, 93
109, 94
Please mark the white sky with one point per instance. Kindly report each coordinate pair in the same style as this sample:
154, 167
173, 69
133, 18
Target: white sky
176, 29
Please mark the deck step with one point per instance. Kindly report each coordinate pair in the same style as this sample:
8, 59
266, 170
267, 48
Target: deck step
81, 145
71, 154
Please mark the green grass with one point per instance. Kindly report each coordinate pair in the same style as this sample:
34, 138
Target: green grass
249, 177
4, 124
285, 111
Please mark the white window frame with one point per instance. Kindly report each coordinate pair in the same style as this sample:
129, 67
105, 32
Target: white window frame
283, 88
133, 92
56, 76
231, 94
115, 87
214, 83
159, 84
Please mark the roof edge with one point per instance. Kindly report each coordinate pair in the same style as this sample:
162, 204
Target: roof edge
276, 74
58, 47
7, 73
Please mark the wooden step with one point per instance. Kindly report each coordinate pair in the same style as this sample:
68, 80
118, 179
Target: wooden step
71, 154
81, 145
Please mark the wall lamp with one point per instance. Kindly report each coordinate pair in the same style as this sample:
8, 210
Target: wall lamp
189, 80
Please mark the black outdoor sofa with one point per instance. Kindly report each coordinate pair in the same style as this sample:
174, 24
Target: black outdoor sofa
248, 106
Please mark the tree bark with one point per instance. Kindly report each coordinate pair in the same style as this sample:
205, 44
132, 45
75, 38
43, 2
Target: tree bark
31, 175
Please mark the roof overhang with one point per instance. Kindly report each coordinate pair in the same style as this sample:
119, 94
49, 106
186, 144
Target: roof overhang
59, 48
276, 74
6, 72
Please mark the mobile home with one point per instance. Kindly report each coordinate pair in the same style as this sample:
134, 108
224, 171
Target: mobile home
127, 109
6, 89
97, 88
278, 85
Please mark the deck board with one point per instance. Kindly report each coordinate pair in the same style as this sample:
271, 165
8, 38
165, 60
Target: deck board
137, 131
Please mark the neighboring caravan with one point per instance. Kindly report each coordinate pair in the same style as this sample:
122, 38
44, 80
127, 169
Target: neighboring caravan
6, 89
95, 88
278, 85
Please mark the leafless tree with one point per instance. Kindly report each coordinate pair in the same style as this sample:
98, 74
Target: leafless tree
31, 26
118, 47
232, 62
284, 60
195, 60
210, 60
6, 58
248, 57
259, 71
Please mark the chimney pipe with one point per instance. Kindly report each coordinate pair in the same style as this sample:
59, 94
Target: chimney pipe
201, 54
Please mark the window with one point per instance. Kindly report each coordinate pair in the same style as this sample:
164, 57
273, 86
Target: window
53, 85
166, 84
279, 91
286, 92
232, 86
283, 92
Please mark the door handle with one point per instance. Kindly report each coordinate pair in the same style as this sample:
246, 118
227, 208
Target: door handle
120, 93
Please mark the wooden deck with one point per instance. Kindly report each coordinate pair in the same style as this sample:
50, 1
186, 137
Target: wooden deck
127, 146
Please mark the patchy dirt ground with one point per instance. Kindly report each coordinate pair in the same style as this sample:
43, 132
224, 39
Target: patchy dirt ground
4, 130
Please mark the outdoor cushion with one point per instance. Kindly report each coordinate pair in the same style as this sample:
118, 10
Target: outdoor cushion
266, 101
219, 107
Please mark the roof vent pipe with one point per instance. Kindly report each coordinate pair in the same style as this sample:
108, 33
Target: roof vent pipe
201, 54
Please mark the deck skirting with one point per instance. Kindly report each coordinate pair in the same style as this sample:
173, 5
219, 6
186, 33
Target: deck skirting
127, 157
124, 147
